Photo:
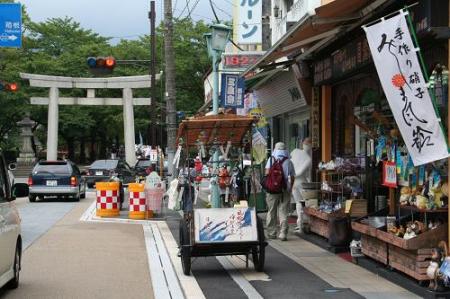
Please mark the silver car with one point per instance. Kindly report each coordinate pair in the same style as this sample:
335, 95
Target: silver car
10, 234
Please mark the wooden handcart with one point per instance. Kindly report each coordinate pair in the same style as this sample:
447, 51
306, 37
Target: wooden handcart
219, 231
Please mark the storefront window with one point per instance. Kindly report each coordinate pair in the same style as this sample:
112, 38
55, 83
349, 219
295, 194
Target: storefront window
374, 115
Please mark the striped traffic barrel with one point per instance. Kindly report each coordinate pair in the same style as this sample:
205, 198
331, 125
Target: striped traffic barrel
138, 206
108, 199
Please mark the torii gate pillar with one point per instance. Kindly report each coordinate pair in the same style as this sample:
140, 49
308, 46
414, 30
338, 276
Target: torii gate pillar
52, 126
128, 124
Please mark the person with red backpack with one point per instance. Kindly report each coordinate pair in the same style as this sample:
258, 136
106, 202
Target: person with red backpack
280, 175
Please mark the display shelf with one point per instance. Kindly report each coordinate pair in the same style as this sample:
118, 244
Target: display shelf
335, 192
416, 209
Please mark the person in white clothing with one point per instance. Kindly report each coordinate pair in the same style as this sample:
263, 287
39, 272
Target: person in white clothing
278, 204
302, 160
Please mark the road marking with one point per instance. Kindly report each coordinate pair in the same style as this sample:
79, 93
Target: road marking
89, 213
243, 283
189, 284
167, 275
164, 279
159, 282
249, 273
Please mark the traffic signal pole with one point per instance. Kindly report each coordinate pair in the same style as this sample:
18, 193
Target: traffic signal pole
152, 129
170, 95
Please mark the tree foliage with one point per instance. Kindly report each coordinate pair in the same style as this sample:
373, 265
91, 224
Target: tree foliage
60, 46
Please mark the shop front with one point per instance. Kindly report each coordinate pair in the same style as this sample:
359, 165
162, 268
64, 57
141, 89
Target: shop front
369, 171
283, 103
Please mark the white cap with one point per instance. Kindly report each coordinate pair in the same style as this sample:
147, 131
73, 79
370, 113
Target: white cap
280, 146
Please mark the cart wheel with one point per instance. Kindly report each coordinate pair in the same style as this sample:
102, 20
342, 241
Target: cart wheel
185, 250
259, 251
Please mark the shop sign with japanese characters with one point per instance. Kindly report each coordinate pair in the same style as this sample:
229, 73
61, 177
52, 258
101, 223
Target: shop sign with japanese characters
249, 28
397, 64
315, 118
232, 91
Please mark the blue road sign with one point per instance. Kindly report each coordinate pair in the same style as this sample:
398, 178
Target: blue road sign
10, 25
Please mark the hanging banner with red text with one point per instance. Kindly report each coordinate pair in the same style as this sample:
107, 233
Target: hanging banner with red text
396, 60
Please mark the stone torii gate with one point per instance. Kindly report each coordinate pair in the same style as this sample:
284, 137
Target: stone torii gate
54, 83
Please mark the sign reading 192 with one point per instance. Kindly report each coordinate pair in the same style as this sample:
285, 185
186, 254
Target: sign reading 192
240, 60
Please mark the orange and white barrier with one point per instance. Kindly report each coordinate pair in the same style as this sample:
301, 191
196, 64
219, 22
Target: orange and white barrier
138, 205
108, 199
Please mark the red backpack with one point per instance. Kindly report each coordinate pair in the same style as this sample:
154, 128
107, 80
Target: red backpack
274, 182
224, 178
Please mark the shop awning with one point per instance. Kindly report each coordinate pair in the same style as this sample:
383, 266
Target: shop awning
214, 128
328, 21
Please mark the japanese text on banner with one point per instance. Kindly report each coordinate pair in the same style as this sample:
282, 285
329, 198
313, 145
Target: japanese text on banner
232, 91
398, 68
249, 22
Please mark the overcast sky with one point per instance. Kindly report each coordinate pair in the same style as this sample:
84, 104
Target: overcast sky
121, 18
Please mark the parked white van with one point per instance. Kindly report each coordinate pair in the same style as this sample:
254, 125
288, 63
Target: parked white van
10, 234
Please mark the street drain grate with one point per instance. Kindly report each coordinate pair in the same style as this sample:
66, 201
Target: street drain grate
332, 291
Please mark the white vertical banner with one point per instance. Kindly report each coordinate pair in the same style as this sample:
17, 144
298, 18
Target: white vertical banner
398, 67
249, 24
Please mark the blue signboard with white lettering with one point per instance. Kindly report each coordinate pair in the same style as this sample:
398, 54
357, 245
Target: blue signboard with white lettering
10, 25
232, 91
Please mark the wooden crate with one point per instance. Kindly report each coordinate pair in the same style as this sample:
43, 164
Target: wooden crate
319, 226
364, 228
413, 263
374, 248
428, 239
358, 208
318, 220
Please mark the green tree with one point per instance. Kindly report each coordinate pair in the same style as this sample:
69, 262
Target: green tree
60, 46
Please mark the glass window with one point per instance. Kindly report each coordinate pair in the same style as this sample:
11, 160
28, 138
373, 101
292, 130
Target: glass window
144, 163
104, 164
52, 168
3, 182
76, 170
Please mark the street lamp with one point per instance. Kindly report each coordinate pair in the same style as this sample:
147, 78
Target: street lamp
219, 36
216, 42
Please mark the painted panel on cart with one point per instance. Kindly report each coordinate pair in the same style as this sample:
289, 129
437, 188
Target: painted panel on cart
225, 225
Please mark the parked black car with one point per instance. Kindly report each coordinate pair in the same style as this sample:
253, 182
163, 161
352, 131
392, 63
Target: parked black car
143, 167
56, 178
104, 170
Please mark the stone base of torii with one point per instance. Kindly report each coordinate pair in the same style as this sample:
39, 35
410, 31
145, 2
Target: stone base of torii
54, 83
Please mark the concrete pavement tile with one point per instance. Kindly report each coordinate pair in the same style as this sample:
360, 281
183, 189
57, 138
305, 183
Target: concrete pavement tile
337, 271
86, 260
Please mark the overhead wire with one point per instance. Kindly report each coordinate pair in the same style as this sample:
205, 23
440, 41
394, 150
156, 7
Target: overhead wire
193, 7
222, 10
218, 21
186, 6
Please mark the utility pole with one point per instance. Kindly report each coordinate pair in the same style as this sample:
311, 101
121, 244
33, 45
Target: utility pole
170, 85
152, 129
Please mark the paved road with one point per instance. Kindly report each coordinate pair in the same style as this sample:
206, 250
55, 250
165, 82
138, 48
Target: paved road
67, 258
39, 217
283, 278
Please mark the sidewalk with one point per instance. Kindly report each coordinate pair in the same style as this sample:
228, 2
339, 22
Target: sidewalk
337, 271
86, 260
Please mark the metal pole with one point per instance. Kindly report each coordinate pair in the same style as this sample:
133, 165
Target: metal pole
152, 17
170, 85
215, 196
215, 83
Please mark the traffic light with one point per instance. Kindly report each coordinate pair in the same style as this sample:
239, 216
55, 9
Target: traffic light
11, 87
101, 65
